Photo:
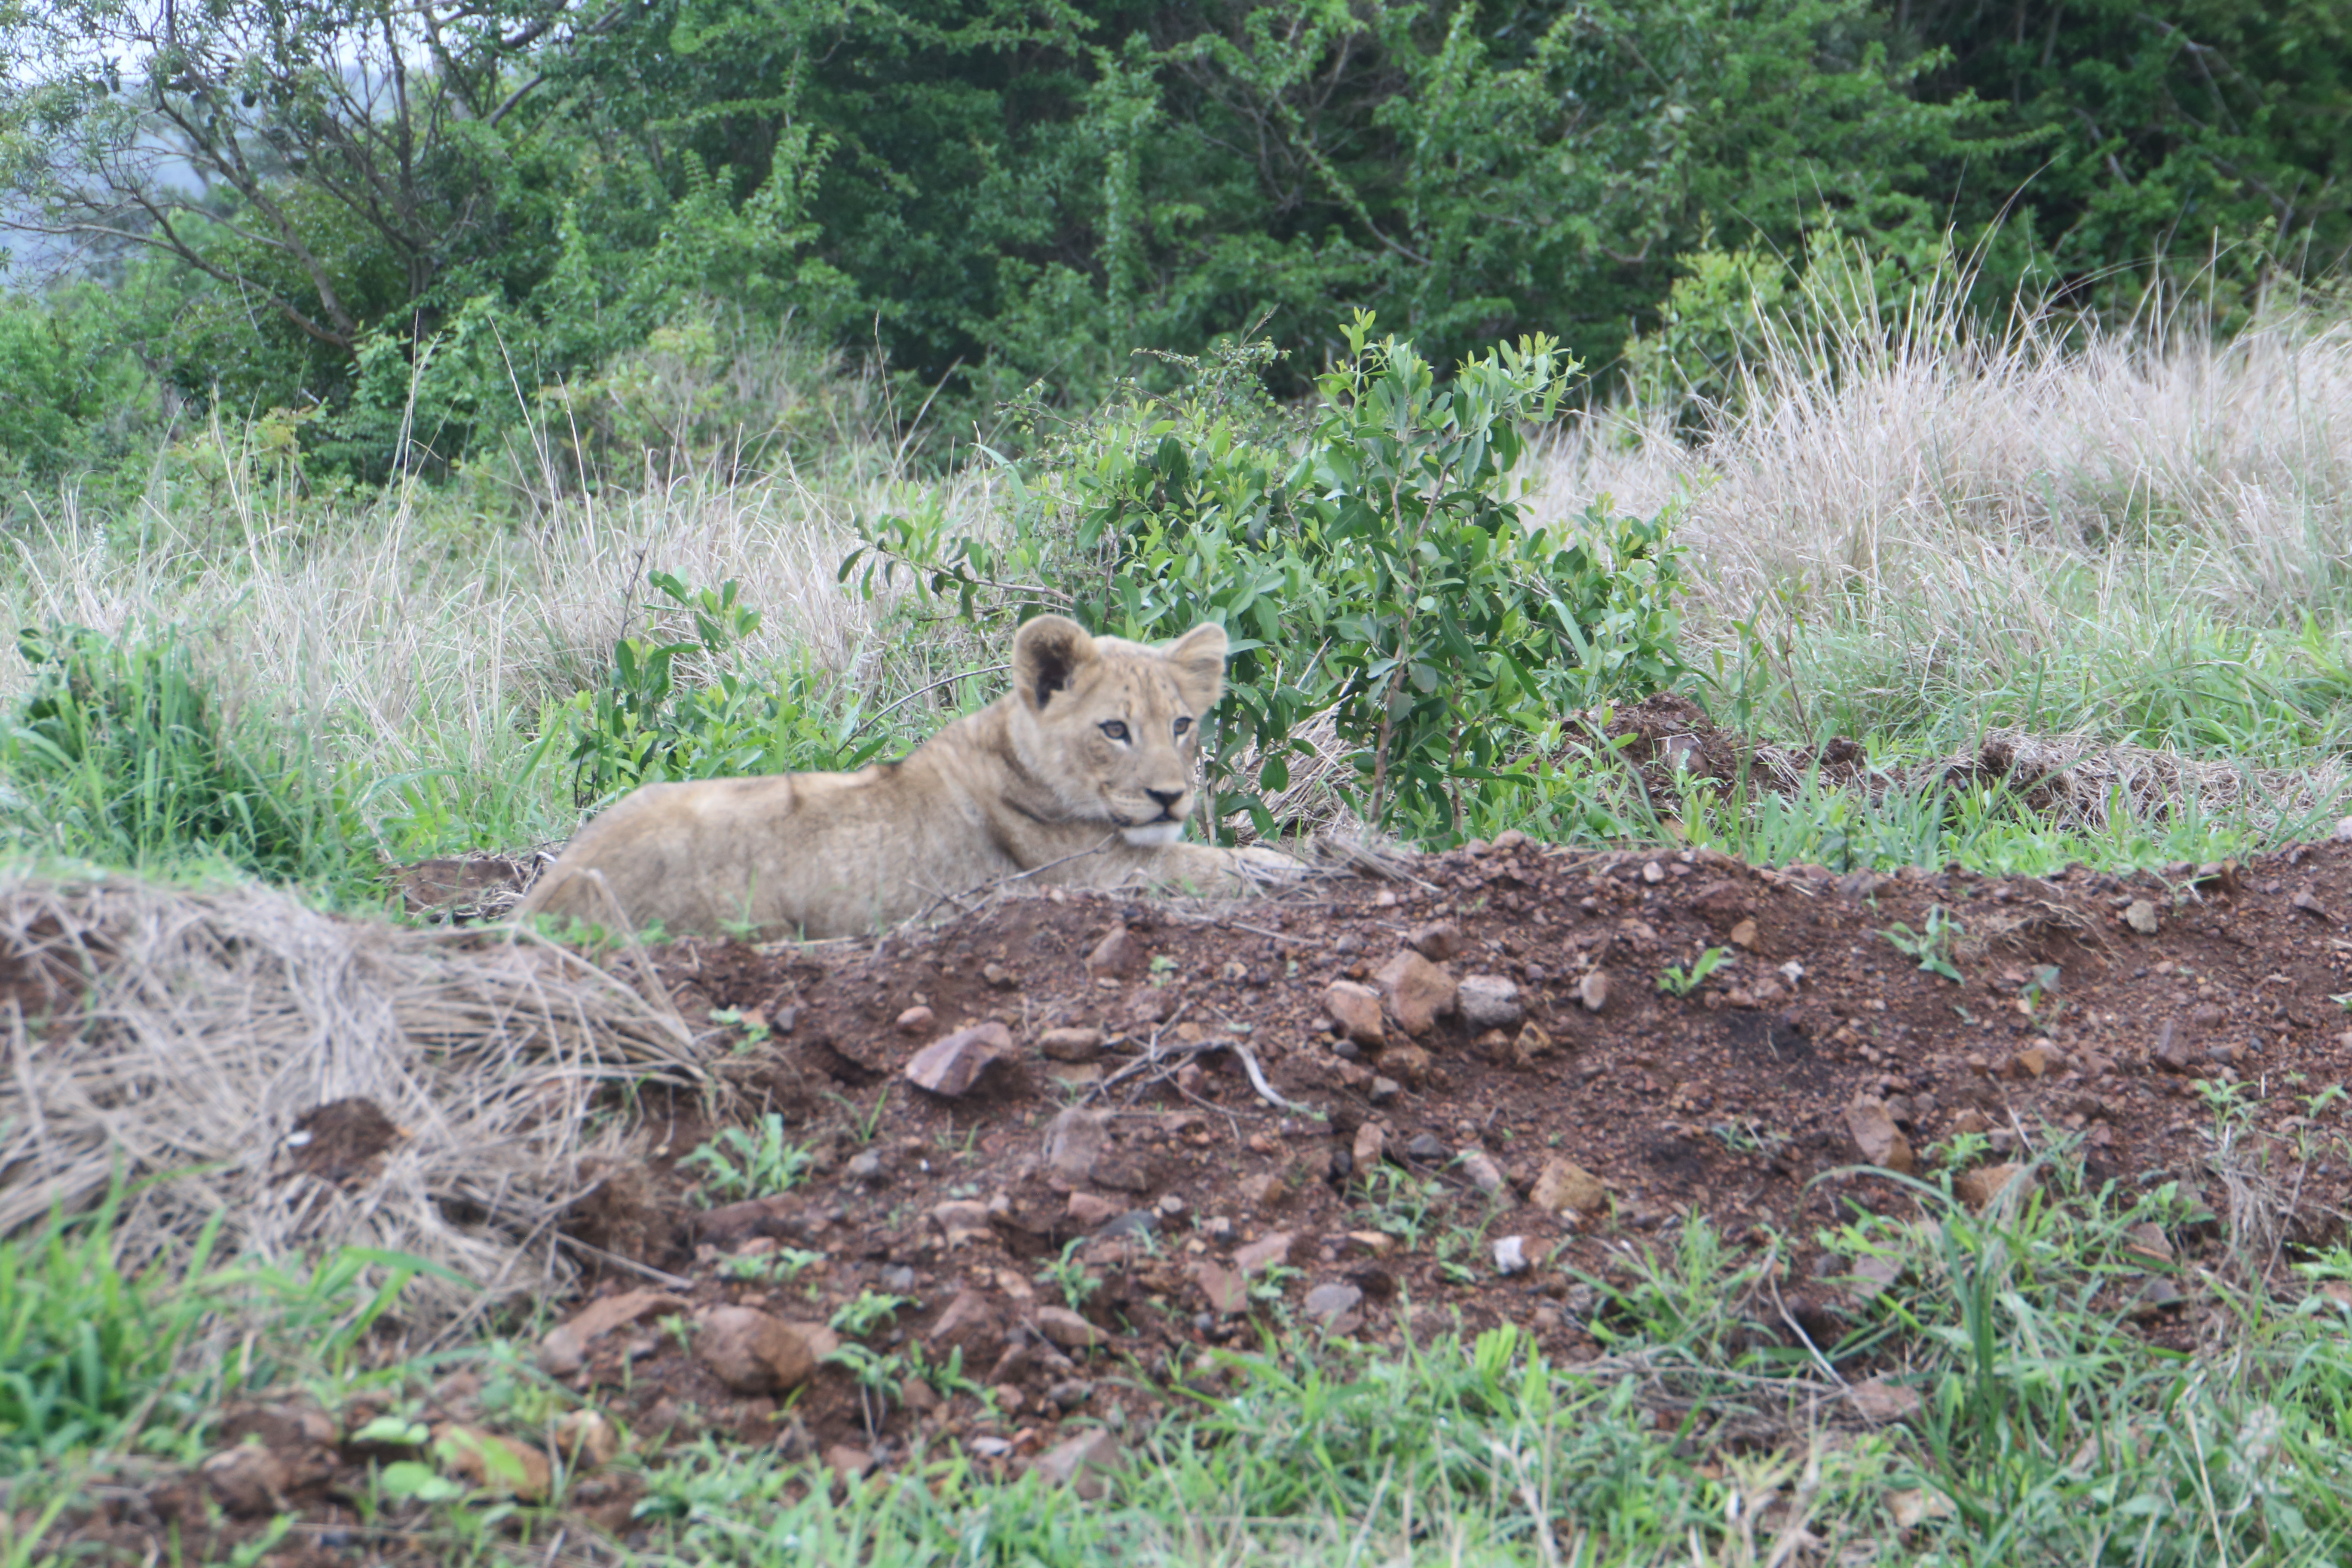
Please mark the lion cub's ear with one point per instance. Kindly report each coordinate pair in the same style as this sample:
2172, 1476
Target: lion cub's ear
1199, 657
1047, 654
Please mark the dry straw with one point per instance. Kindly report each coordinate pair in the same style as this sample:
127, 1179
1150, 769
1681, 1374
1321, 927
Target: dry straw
175, 1039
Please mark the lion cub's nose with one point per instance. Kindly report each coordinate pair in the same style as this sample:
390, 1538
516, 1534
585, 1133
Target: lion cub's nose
1165, 798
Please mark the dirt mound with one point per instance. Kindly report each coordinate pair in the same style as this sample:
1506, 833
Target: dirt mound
1360, 1108
1396, 1109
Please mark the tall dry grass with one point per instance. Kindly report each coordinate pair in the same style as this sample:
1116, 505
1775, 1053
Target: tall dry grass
1908, 495
419, 632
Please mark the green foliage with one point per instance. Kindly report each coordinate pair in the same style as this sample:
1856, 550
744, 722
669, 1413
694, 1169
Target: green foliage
120, 753
1932, 949
1677, 981
736, 1163
2211, 129
644, 726
82, 1348
1375, 565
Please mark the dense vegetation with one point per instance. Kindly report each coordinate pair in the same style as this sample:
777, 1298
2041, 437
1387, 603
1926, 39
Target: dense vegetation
410, 231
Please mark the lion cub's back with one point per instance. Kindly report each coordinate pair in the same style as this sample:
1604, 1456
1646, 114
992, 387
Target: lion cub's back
785, 852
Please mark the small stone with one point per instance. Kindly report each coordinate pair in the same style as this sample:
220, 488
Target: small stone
491, 1463
1328, 1302
1490, 1002
1385, 1089
1069, 1393
1419, 992
585, 1439
1653, 873
1075, 1142
1068, 1329
752, 1351
1087, 1464
2150, 1241
1116, 956
867, 1167
973, 1324
560, 1353
1511, 1255
1979, 1186
1426, 1148
999, 977
1373, 1243
2141, 917
1226, 1289
1370, 1143
1436, 941
1485, 1174
1267, 1250
917, 1021
1915, 1506
1593, 991
1874, 1133
1531, 1045
848, 1462
1562, 1183
1356, 1010
1071, 1045
1093, 1212
952, 1066
961, 1220
247, 1478
1266, 1189
1743, 934
1878, 1401
1406, 1062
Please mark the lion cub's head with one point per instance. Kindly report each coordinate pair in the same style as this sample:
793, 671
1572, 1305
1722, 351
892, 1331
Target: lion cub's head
1113, 728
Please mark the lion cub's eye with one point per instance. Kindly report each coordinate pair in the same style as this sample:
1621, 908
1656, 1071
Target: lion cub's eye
1183, 724
1114, 729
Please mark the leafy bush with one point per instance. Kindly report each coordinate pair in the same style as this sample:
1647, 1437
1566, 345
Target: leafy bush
1374, 564
644, 725
122, 753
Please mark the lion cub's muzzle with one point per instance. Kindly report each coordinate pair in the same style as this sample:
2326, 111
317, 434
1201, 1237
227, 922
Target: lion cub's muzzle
1168, 828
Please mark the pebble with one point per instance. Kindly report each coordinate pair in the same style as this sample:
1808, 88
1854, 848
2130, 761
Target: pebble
1071, 1045
917, 1021
1490, 1002
1329, 1301
1511, 1255
1483, 1174
1593, 991
867, 1167
949, 1067
1426, 1147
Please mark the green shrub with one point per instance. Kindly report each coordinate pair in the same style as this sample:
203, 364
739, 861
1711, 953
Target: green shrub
122, 753
644, 725
1373, 563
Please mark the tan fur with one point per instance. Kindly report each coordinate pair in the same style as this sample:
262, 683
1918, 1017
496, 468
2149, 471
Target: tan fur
1031, 784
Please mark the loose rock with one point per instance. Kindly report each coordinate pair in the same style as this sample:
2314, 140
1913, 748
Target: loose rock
1071, 1045
492, 1463
752, 1351
1491, 1002
2141, 917
1562, 1183
1436, 941
917, 1021
1356, 1009
1116, 956
1874, 1133
1086, 1464
1068, 1329
1326, 1304
952, 1066
1593, 991
1419, 992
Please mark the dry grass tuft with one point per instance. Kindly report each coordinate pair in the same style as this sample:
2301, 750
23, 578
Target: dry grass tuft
1991, 495
205, 1025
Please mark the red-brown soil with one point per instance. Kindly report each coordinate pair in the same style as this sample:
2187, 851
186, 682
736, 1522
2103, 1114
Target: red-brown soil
1739, 1103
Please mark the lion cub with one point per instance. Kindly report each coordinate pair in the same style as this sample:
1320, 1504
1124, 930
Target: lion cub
1081, 774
